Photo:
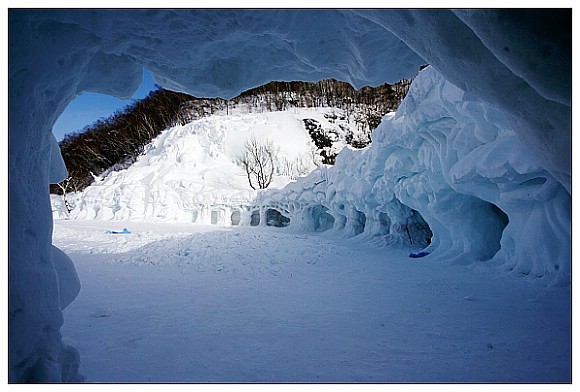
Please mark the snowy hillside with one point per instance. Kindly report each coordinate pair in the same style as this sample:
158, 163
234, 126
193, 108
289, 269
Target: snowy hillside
115, 142
189, 173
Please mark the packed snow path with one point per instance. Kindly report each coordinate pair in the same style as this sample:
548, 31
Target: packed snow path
192, 303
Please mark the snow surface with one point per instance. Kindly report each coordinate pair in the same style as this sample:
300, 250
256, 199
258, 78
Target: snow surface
197, 303
55, 55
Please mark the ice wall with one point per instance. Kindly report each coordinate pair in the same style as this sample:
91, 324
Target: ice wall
56, 54
449, 165
519, 60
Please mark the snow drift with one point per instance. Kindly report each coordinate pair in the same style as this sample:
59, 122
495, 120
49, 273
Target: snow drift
56, 54
189, 173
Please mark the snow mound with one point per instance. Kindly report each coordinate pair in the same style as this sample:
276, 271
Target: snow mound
189, 173
446, 171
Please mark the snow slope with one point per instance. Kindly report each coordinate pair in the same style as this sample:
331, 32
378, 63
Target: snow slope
189, 172
196, 303
56, 54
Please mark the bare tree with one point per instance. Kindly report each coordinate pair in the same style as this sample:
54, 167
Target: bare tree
65, 185
258, 160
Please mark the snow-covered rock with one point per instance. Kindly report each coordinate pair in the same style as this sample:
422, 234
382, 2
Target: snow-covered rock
56, 54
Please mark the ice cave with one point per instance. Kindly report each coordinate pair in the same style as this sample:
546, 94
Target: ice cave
477, 160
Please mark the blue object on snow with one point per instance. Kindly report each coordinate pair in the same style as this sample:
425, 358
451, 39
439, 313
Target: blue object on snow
417, 255
124, 231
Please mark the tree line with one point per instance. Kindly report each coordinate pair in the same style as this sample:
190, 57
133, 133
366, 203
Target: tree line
327, 93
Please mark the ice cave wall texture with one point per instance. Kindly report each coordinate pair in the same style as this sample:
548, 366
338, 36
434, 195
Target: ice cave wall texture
480, 148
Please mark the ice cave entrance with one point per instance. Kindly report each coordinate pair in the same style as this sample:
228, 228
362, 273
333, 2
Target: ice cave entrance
276, 219
236, 217
322, 219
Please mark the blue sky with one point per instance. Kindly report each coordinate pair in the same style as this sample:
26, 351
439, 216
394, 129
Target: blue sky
89, 107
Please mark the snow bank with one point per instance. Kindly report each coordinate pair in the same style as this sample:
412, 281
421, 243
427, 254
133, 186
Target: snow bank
56, 54
447, 165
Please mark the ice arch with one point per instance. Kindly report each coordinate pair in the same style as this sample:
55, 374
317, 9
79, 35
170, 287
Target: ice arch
55, 55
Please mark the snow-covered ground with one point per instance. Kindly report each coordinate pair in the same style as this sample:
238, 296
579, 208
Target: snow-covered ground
183, 302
